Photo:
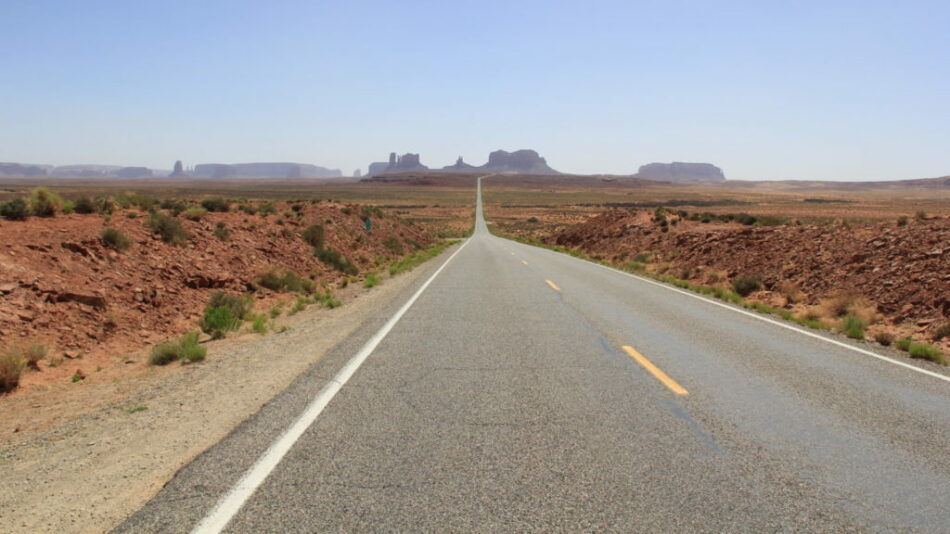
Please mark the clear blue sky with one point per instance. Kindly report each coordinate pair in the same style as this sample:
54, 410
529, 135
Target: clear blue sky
766, 90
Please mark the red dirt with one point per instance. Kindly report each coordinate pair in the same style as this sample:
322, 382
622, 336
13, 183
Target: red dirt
903, 270
62, 286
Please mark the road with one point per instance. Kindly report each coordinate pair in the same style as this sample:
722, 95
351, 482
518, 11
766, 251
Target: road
526, 390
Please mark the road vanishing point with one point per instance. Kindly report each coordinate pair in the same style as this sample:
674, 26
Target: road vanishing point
517, 389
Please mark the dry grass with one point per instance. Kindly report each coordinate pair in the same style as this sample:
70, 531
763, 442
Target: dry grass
791, 292
12, 365
841, 305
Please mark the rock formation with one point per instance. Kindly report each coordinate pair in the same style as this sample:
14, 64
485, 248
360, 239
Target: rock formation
18, 169
405, 163
681, 172
460, 166
178, 171
519, 161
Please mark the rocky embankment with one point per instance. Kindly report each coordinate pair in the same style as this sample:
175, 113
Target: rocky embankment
63, 286
902, 269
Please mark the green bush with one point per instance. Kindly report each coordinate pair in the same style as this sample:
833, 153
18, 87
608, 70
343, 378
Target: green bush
15, 210
314, 235
175, 207
45, 203
904, 343
195, 213
277, 280
104, 205
185, 349
221, 231
268, 208
216, 204
218, 321
259, 324
336, 260
926, 352
853, 327
371, 280
115, 239
84, 205
167, 228
33, 354
745, 285
239, 305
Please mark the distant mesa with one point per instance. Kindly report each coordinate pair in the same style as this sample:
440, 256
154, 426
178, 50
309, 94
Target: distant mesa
681, 172
133, 172
19, 169
519, 161
499, 161
263, 170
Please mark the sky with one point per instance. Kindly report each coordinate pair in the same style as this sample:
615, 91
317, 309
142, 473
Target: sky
829, 90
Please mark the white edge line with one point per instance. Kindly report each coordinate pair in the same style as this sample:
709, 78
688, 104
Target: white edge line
750, 314
231, 503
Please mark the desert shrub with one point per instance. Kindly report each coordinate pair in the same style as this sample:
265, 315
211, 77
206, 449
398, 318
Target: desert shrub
248, 209
745, 285
185, 349
218, 321
533, 220
136, 200
115, 239
195, 213
921, 215
221, 231
15, 210
104, 205
216, 204
791, 292
746, 219
393, 245
884, 338
347, 211
336, 260
287, 280
643, 257
926, 352
84, 205
239, 305
68, 207
313, 235
902, 220
33, 354
259, 324
268, 208
853, 327
175, 207
45, 203
297, 208
942, 331
166, 228
904, 343
12, 365
276, 310
372, 280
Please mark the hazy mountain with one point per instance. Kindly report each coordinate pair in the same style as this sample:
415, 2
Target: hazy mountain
681, 172
263, 170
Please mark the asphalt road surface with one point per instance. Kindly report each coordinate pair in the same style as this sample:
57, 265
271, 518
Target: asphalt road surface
525, 390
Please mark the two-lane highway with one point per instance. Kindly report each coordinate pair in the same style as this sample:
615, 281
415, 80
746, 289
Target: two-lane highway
520, 389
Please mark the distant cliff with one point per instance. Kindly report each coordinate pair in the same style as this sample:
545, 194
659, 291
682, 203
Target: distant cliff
681, 172
499, 161
263, 170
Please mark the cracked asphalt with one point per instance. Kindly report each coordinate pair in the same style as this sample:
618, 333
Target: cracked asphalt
499, 403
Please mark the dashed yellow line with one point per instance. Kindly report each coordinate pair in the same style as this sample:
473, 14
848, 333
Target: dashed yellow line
553, 285
655, 371
524, 262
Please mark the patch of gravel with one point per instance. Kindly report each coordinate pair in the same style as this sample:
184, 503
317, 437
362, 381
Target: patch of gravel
87, 474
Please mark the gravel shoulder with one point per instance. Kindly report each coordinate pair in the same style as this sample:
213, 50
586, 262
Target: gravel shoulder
106, 449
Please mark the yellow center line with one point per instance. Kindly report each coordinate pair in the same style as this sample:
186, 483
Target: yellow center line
655, 371
524, 262
553, 285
